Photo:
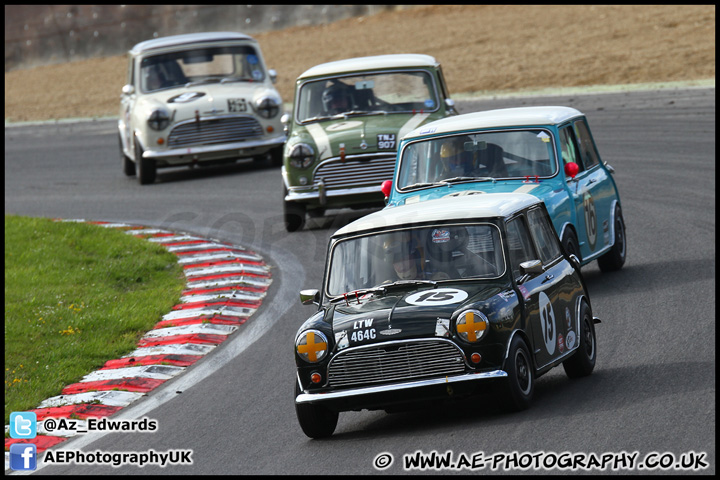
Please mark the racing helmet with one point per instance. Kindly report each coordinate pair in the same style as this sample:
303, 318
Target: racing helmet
336, 99
404, 255
449, 148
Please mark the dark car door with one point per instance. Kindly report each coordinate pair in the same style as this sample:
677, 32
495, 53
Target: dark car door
553, 299
530, 237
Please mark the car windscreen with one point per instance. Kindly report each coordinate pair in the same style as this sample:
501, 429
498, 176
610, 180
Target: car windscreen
492, 154
200, 65
387, 92
436, 253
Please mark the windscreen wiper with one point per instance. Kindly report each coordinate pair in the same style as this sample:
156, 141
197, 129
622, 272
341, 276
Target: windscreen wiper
382, 289
464, 179
236, 79
202, 82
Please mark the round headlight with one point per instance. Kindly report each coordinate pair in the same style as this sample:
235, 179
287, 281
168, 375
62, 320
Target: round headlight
301, 155
471, 325
159, 119
311, 346
267, 107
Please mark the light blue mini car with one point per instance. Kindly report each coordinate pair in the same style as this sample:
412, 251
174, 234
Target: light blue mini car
548, 152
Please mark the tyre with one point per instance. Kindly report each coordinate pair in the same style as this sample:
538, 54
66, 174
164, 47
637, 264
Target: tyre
316, 421
570, 243
293, 214
127, 163
519, 386
582, 363
146, 170
276, 156
615, 258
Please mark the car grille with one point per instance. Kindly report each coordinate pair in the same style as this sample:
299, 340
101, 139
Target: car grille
357, 171
215, 131
395, 361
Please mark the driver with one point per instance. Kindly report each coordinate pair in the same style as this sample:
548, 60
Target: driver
407, 260
154, 79
336, 99
456, 162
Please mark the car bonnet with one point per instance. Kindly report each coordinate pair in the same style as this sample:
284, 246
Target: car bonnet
363, 134
407, 313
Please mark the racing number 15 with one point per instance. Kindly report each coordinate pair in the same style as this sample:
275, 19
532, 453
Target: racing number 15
434, 297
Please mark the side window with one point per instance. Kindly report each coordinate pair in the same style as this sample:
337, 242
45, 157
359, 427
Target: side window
568, 147
519, 246
544, 235
585, 142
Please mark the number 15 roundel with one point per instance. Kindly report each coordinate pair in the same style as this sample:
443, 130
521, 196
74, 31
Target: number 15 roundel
438, 296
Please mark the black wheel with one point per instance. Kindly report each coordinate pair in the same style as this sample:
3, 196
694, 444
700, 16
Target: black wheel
146, 170
316, 421
582, 363
293, 214
615, 258
570, 242
127, 163
519, 386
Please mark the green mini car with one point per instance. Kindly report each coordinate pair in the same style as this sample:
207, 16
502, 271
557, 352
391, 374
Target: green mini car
347, 120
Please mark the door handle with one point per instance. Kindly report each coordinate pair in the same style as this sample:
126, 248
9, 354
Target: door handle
591, 181
548, 278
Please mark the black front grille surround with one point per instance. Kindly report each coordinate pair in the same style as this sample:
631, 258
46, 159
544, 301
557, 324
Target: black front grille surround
215, 131
399, 361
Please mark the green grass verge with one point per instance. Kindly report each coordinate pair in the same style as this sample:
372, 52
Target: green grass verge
76, 295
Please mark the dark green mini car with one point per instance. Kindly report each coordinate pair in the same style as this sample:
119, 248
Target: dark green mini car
440, 300
348, 118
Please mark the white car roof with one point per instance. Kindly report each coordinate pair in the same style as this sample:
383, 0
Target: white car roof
405, 60
482, 205
188, 38
505, 117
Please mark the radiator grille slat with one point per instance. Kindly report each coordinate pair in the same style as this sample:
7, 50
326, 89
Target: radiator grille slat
398, 362
356, 173
214, 132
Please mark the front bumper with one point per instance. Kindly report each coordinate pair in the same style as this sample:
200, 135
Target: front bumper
187, 155
322, 196
381, 396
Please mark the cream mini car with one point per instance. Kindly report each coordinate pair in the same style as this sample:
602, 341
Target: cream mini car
198, 99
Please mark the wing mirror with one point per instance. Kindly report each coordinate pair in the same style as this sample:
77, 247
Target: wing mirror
450, 105
529, 267
273, 75
571, 169
128, 90
309, 297
285, 120
386, 188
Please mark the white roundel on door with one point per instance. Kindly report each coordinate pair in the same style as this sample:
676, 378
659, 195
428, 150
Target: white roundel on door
547, 323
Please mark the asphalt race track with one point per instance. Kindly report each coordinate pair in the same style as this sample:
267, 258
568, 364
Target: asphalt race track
653, 389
